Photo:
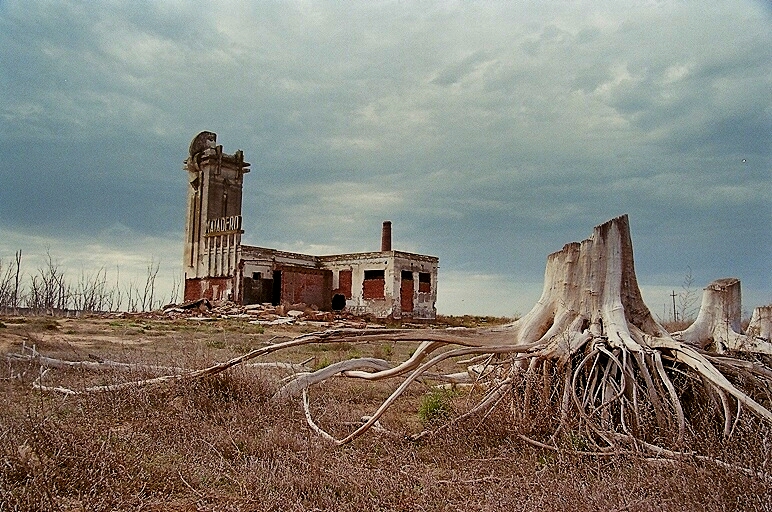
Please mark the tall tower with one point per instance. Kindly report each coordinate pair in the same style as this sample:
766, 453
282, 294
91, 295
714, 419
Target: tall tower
213, 224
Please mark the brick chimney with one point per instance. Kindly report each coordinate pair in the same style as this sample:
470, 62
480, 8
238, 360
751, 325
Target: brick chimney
386, 236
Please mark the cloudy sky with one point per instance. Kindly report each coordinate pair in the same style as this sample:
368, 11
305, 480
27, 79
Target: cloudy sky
490, 133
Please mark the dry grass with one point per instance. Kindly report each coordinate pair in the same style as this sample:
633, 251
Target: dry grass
221, 445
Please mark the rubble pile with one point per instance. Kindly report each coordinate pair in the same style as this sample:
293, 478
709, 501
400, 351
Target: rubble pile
261, 314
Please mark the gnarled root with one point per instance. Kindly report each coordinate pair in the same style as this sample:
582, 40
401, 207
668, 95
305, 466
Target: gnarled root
591, 350
588, 361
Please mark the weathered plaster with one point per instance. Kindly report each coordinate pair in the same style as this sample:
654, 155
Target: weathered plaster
218, 266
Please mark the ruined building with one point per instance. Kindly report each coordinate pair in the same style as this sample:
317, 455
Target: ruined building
385, 283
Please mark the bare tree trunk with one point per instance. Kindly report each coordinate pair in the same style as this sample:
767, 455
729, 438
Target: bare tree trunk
612, 371
16, 287
718, 324
760, 325
6, 290
148, 295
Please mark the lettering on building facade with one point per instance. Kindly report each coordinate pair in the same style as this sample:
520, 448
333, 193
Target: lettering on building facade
223, 225
217, 266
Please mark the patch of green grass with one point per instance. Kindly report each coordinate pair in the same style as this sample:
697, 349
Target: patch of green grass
216, 343
384, 351
436, 406
322, 363
545, 459
577, 441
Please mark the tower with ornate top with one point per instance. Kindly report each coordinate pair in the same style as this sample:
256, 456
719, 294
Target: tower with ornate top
213, 222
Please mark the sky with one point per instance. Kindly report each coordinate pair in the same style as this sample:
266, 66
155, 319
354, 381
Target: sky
489, 133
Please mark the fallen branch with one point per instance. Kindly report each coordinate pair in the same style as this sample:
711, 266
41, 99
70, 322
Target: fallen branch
589, 344
303, 382
50, 362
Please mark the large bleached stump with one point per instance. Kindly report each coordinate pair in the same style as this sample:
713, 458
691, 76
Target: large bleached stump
718, 323
590, 291
616, 367
589, 357
760, 326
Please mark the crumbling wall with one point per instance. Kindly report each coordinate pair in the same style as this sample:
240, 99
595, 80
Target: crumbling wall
212, 288
417, 286
344, 283
365, 280
377, 287
308, 286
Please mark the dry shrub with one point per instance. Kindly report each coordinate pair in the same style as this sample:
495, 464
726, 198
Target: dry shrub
221, 444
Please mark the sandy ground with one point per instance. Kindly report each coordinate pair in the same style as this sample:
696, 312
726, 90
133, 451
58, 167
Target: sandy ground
53, 332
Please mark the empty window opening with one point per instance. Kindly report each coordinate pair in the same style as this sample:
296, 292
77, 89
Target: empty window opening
338, 302
375, 274
257, 275
407, 275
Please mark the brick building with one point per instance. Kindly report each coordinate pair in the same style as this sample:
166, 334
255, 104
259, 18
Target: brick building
385, 283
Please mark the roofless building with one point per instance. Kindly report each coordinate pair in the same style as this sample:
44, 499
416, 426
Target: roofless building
384, 283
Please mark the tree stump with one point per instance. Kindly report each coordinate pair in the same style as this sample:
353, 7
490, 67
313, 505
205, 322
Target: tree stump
760, 326
591, 292
589, 349
718, 323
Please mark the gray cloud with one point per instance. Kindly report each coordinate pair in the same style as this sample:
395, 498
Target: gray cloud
491, 134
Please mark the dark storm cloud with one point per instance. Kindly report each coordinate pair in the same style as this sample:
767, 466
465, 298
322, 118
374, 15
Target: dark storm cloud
490, 133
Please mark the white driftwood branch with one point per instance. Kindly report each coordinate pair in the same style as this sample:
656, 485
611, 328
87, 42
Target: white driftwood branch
50, 362
302, 382
589, 337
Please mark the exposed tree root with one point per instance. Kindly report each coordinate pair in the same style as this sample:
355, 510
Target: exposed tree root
590, 353
302, 382
34, 357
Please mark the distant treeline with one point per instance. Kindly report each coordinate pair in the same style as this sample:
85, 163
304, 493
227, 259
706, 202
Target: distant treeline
49, 288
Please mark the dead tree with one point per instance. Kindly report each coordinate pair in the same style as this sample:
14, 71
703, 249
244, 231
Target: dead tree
590, 341
15, 301
718, 324
760, 326
589, 349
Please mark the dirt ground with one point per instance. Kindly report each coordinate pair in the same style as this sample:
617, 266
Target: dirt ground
222, 444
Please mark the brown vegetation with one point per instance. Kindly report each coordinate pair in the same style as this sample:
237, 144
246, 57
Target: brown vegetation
221, 444
586, 402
